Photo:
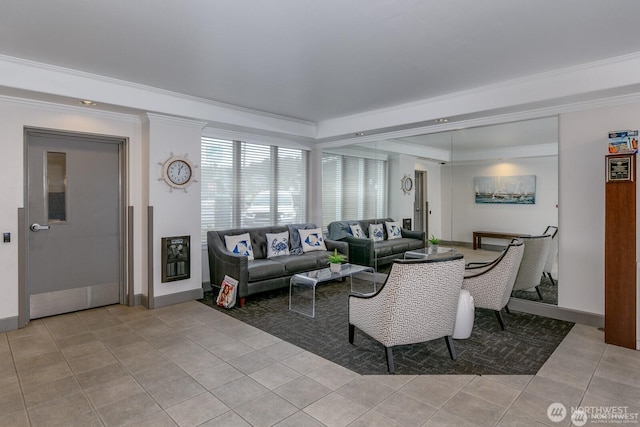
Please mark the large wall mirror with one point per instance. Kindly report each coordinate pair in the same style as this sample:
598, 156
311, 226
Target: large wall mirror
501, 178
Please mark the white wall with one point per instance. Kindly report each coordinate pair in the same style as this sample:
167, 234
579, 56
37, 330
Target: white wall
175, 212
583, 146
467, 216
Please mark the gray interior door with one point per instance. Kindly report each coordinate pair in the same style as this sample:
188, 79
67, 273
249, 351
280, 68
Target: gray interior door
420, 215
74, 257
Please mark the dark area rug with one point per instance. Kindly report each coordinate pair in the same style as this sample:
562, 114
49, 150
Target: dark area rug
521, 349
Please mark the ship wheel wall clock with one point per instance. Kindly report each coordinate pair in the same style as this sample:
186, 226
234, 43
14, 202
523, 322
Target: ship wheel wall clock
178, 172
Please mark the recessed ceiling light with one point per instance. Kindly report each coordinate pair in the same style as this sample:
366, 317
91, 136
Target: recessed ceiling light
87, 102
359, 133
443, 120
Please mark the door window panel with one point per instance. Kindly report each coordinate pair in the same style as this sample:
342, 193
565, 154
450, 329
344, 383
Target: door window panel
57, 186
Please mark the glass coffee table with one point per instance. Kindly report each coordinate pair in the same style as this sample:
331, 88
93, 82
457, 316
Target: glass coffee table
302, 286
427, 253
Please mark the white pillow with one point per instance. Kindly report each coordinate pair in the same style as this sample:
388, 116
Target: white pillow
356, 231
376, 232
312, 240
394, 231
277, 244
239, 244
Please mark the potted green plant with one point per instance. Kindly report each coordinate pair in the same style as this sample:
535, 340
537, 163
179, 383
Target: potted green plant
335, 261
434, 242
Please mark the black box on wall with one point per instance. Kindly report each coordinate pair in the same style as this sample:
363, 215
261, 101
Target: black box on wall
176, 258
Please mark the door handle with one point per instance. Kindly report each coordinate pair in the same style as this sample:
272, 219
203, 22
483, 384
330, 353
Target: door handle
37, 227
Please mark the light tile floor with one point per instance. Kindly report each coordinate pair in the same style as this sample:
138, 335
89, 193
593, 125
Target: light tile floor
191, 365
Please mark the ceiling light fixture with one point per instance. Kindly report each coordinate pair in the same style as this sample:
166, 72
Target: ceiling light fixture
443, 120
359, 133
88, 103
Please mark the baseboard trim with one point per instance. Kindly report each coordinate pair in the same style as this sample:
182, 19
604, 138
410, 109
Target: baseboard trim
9, 324
555, 312
177, 298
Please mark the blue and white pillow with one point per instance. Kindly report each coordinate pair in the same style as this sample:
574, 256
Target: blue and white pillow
376, 232
356, 231
239, 244
312, 240
277, 244
394, 231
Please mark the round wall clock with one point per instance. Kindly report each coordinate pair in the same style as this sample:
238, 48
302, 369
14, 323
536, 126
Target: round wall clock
406, 184
178, 172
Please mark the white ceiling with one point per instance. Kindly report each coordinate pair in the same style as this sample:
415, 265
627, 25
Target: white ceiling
317, 60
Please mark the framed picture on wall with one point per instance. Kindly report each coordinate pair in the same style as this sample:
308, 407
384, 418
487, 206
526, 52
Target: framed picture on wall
620, 168
176, 258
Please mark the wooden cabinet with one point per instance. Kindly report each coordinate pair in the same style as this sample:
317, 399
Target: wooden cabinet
620, 251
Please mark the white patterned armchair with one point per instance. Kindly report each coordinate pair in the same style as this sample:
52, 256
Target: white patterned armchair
490, 284
536, 252
417, 303
553, 252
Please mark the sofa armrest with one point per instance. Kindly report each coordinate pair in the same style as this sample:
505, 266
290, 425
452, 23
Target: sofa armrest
341, 246
222, 262
414, 234
360, 251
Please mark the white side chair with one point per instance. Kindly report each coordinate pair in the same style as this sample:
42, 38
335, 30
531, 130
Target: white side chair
536, 252
417, 303
553, 252
490, 284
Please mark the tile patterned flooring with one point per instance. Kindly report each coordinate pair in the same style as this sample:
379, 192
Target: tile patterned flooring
119, 365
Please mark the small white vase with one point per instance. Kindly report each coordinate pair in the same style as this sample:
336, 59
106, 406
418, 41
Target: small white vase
335, 267
433, 249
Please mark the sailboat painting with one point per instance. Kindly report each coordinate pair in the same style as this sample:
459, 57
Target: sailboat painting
519, 190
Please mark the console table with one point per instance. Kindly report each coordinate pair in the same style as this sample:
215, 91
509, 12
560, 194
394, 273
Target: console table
478, 235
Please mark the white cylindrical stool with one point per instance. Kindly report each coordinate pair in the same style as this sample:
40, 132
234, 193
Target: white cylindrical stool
464, 316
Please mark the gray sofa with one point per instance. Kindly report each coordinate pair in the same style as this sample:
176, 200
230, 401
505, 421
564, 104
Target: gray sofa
264, 274
375, 254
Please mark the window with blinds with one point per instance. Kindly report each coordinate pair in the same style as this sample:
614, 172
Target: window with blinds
251, 185
353, 188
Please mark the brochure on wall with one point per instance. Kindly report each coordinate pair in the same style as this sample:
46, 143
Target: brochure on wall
623, 141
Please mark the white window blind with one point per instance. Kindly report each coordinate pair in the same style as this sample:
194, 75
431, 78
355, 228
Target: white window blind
247, 185
353, 188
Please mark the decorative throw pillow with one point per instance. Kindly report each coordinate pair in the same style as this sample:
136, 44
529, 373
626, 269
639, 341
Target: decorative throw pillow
312, 240
277, 244
239, 244
394, 231
376, 233
356, 230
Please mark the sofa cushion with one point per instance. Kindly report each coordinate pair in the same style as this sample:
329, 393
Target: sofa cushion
239, 244
312, 240
298, 263
394, 230
357, 231
260, 269
376, 232
384, 248
277, 244
294, 237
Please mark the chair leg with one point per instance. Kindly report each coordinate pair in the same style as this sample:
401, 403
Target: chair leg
551, 278
539, 293
506, 308
351, 333
500, 319
450, 347
390, 367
